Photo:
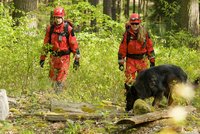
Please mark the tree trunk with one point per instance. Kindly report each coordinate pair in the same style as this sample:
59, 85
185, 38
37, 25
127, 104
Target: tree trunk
133, 6
193, 13
118, 10
107, 7
126, 8
114, 17
139, 6
94, 21
189, 16
25, 6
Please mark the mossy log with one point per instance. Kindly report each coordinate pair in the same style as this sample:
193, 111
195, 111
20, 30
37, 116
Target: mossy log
63, 110
71, 116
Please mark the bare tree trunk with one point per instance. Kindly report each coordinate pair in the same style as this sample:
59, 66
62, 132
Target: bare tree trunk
189, 16
114, 8
147, 8
107, 7
144, 8
23, 5
133, 6
118, 10
139, 6
193, 14
94, 21
126, 9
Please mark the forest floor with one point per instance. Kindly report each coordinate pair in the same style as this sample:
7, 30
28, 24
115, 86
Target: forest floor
27, 115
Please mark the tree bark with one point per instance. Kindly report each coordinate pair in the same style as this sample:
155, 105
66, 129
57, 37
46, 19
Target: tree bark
114, 8
149, 117
94, 21
133, 6
107, 7
188, 17
193, 13
139, 6
118, 10
126, 8
25, 6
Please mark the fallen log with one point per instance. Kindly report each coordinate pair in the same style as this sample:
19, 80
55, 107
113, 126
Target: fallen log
65, 106
149, 117
82, 116
72, 116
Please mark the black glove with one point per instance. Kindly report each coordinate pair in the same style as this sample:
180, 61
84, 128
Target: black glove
76, 64
42, 63
121, 67
152, 64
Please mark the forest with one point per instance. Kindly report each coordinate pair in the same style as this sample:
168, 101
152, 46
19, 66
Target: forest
93, 99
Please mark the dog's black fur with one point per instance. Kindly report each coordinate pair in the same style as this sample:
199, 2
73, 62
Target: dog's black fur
155, 82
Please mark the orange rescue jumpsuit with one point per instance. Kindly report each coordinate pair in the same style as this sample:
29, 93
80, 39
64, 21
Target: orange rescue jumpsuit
60, 51
135, 53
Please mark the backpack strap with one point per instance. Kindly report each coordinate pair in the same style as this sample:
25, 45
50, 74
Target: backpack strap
50, 33
128, 36
66, 32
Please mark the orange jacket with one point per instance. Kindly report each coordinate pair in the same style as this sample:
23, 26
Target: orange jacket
57, 45
133, 46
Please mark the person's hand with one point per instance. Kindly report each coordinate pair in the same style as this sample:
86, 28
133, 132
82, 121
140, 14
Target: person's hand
152, 64
76, 64
41, 63
121, 67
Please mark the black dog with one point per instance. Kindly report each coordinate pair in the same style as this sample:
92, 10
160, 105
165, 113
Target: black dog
155, 82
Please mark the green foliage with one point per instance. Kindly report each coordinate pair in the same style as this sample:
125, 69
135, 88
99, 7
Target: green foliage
175, 39
165, 10
98, 77
19, 53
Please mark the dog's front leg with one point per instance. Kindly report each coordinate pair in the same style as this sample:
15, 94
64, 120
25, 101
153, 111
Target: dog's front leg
157, 98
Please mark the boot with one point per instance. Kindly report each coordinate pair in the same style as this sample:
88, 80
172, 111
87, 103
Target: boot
58, 87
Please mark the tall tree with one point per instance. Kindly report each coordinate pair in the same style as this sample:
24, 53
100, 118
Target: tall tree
189, 16
126, 8
107, 7
139, 6
94, 21
133, 6
118, 10
25, 6
114, 10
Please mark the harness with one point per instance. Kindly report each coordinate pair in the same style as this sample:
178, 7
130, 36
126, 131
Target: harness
64, 33
133, 56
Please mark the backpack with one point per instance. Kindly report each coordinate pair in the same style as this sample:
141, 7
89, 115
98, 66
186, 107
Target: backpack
65, 33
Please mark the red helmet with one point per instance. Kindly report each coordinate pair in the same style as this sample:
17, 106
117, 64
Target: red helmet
135, 18
58, 12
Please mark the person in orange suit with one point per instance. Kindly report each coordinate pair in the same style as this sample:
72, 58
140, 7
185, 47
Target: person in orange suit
135, 50
60, 41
